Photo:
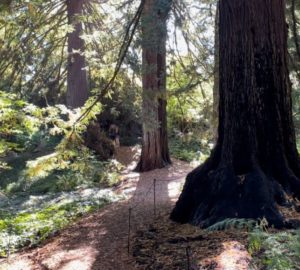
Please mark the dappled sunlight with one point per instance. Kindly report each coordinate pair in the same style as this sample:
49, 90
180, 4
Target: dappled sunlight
234, 257
132, 175
128, 156
20, 264
42, 166
139, 186
168, 183
92, 240
150, 134
81, 258
165, 244
174, 189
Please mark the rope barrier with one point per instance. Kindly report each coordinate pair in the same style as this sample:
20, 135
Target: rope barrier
137, 203
146, 193
169, 180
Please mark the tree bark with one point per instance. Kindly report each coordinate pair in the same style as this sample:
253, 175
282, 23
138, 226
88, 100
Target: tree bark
255, 163
155, 152
77, 84
294, 28
216, 77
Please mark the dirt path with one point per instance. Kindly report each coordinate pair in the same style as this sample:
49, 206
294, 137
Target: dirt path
99, 241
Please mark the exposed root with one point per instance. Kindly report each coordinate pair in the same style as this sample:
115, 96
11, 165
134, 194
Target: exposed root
211, 196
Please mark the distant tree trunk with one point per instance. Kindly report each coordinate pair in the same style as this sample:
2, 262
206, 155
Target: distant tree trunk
155, 153
216, 77
255, 162
294, 28
77, 88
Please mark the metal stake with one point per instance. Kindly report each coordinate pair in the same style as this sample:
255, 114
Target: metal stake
129, 229
154, 197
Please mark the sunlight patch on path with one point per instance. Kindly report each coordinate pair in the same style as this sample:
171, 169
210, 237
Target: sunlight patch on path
174, 189
82, 258
234, 257
21, 264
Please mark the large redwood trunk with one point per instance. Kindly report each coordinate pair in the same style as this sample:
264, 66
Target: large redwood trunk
155, 153
77, 88
255, 162
215, 112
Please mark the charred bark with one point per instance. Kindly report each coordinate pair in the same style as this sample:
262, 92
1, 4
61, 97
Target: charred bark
155, 152
255, 162
77, 84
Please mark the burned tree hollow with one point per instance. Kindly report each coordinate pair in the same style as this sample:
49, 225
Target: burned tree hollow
255, 164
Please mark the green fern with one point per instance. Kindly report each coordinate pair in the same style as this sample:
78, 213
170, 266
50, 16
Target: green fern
274, 251
233, 223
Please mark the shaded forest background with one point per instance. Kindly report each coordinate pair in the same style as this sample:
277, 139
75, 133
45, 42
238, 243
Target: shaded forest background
36, 39
57, 60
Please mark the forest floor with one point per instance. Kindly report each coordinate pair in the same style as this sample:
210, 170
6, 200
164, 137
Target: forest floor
100, 240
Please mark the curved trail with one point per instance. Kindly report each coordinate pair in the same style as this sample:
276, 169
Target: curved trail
99, 241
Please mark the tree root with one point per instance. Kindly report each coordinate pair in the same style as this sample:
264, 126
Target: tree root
210, 196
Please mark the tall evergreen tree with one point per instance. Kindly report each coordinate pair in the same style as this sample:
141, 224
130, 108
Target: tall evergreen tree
255, 162
155, 153
77, 85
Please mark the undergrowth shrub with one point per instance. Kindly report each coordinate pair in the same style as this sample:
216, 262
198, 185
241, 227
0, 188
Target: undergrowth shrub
25, 126
43, 218
189, 148
274, 250
53, 178
55, 173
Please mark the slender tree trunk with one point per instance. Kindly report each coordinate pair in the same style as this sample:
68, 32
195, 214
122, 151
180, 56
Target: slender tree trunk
155, 153
294, 28
77, 88
255, 162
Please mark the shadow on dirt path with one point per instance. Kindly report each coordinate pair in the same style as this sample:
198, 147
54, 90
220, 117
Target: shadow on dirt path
100, 241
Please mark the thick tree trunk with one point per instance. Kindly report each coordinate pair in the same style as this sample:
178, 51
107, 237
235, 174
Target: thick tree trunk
255, 162
155, 153
77, 88
216, 77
